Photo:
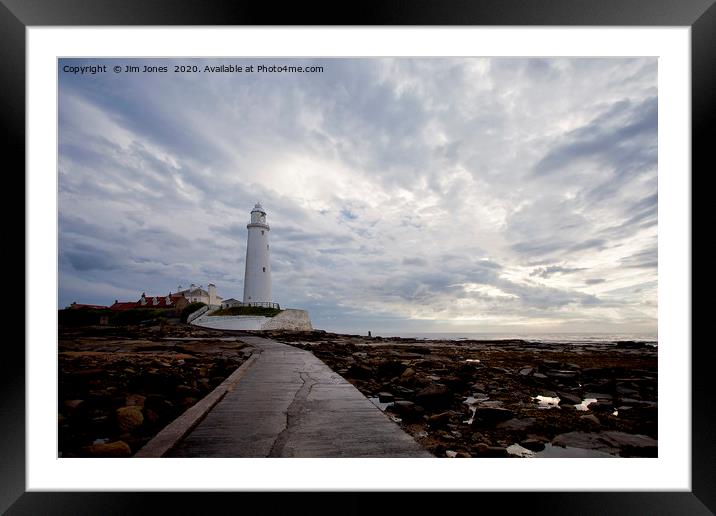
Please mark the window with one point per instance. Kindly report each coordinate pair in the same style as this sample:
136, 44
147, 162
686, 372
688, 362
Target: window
262, 231
264, 269
267, 247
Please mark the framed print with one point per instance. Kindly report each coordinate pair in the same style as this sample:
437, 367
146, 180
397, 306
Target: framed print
475, 219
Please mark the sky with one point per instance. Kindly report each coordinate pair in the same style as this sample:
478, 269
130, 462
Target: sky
403, 195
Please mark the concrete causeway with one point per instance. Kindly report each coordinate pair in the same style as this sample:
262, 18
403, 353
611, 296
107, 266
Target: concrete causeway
290, 404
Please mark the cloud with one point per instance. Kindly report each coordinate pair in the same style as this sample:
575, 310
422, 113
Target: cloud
410, 193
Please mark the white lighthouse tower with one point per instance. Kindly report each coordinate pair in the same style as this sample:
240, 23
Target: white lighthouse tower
257, 278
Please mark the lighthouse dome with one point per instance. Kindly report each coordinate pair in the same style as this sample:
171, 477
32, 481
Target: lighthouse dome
258, 207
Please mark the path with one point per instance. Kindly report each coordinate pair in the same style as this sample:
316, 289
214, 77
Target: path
291, 404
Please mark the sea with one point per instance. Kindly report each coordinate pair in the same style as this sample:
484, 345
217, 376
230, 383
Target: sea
565, 338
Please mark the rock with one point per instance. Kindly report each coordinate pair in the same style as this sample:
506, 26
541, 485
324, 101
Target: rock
403, 390
152, 416
203, 384
402, 407
549, 394
114, 449
479, 387
73, 405
591, 418
439, 420
534, 445
609, 442
564, 374
390, 368
385, 397
455, 383
492, 415
633, 444
517, 424
539, 376
406, 409
186, 391
134, 400
567, 398
359, 371
483, 450
433, 395
129, 418
408, 373
601, 406
526, 371
598, 396
549, 364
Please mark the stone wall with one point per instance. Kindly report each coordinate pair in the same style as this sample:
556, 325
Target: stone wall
289, 319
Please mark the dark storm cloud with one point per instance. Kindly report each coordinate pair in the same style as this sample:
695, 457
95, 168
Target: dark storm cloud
622, 140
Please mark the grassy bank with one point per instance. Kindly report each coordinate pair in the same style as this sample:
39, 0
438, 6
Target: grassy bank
248, 310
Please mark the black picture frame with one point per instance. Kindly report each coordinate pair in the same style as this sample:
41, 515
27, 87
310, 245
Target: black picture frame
17, 15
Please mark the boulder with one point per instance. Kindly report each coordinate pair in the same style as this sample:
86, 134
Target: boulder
433, 395
612, 442
407, 374
358, 371
129, 418
601, 406
492, 415
591, 418
134, 400
566, 398
517, 425
532, 444
439, 420
385, 397
114, 449
390, 368
484, 450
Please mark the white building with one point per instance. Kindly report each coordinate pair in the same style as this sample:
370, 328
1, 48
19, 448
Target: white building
196, 294
257, 277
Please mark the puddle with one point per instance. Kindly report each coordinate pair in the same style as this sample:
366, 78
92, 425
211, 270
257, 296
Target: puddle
569, 452
451, 454
546, 402
585, 404
382, 406
615, 413
473, 360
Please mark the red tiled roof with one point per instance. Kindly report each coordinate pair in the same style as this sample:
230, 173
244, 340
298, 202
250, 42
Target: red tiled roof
95, 307
124, 305
161, 302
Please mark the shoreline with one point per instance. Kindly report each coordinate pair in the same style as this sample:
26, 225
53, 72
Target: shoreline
456, 398
504, 397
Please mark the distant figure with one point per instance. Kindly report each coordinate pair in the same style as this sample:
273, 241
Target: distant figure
369, 335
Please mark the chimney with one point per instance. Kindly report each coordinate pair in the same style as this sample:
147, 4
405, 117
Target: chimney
212, 293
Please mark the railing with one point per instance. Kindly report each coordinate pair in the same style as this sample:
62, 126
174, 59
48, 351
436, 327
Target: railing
196, 314
259, 304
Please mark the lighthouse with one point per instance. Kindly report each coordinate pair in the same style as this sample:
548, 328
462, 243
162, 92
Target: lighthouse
257, 278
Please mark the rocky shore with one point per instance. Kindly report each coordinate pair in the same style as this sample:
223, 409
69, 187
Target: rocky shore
119, 386
508, 398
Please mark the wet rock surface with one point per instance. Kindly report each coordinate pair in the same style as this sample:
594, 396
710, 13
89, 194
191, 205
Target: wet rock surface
479, 398
118, 387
